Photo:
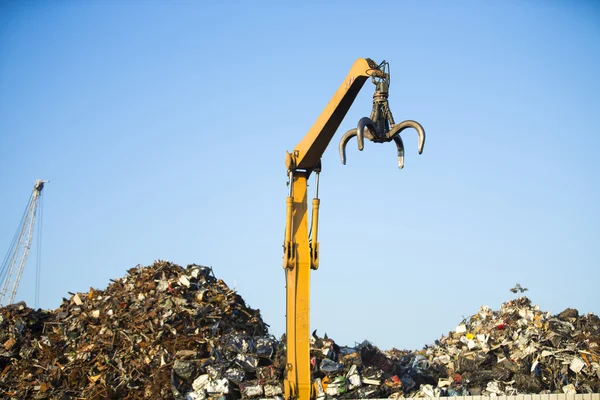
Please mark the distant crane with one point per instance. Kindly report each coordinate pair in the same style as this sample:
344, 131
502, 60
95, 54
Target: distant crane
14, 262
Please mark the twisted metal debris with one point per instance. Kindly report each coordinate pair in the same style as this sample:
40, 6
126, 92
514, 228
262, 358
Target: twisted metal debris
122, 342
167, 332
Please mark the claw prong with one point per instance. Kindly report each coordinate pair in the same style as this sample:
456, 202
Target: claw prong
396, 129
344, 141
364, 123
400, 146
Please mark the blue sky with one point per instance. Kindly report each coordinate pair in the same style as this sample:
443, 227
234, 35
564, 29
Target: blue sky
162, 127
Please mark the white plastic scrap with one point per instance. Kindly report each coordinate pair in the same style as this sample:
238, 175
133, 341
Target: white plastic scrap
353, 377
336, 387
494, 388
195, 272
577, 365
211, 386
196, 396
462, 328
77, 299
444, 359
469, 342
369, 381
184, 281
428, 391
444, 382
569, 389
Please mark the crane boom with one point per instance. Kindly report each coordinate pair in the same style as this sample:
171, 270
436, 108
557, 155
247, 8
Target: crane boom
308, 152
14, 262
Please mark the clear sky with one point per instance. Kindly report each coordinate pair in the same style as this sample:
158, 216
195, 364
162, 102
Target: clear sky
162, 127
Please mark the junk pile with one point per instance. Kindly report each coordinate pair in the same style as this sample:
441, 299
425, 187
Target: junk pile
167, 332
517, 350
145, 336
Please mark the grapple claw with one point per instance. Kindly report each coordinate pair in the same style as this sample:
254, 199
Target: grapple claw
396, 129
344, 141
400, 146
364, 122
380, 126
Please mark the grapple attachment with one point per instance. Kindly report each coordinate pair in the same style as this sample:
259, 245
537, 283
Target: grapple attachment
380, 126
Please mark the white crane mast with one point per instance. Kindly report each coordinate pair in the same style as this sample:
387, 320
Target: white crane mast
14, 262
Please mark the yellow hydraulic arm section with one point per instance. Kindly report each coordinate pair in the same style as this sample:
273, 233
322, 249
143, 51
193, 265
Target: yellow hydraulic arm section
301, 248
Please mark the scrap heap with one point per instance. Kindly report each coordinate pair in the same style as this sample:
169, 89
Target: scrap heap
167, 332
126, 341
517, 350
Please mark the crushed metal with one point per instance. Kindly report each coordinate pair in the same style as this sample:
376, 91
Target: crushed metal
167, 332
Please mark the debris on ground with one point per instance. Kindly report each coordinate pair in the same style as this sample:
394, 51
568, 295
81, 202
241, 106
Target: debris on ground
128, 341
516, 350
167, 332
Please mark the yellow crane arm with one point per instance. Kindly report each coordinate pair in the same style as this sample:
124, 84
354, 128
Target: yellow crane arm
300, 252
301, 248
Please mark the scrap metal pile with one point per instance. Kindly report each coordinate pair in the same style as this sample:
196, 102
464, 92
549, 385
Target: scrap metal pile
516, 350
167, 332
126, 342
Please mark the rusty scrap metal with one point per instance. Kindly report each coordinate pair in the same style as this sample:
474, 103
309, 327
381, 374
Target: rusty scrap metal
167, 332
